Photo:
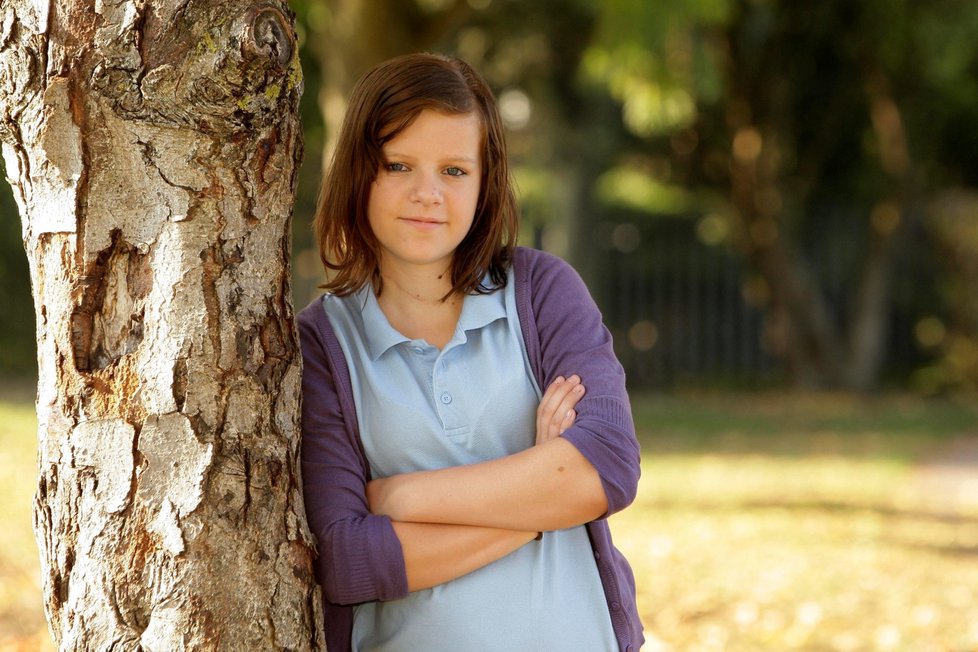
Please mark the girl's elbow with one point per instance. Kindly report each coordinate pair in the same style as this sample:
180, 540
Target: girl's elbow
331, 591
631, 472
621, 493
335, 586
357, 564
598, 506
338, 588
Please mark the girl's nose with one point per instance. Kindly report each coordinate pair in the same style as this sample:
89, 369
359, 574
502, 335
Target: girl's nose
426, 191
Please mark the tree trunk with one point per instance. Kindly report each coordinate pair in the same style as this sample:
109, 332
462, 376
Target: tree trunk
889, 224
799, 326
152, 149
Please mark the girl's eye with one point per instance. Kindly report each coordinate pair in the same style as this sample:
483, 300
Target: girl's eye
455, 172
396, 167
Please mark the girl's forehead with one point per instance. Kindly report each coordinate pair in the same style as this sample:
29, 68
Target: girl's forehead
397, 127
441, 131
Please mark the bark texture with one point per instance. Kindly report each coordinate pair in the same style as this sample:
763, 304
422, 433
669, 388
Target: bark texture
152, 147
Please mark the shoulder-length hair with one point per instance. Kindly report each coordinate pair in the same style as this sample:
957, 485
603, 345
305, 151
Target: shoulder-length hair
383, 103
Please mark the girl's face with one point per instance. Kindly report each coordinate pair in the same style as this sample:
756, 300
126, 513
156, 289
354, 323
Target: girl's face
423, 200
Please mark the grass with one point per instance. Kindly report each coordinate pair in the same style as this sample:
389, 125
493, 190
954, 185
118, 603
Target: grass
801, 522
22, 626
763, 522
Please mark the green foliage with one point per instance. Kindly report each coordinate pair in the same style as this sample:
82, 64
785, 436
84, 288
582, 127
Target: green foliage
633, 109
634, 189
853, 106
17, 348
953, 332
655, 60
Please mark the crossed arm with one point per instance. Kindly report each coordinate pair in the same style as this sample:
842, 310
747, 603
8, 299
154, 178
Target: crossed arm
455, 520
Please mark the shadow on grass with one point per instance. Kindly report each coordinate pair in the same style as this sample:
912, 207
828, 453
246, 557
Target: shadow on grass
901, 427
969, 553
821, 506
18, 390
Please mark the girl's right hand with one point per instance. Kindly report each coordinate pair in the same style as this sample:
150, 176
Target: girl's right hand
556, 411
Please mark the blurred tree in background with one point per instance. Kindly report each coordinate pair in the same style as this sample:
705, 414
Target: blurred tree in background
757, 191
813, 139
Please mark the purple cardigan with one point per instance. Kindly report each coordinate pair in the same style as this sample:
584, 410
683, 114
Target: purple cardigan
360, 557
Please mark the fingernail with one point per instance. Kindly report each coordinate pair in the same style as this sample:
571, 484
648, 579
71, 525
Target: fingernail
558, 379
579, 389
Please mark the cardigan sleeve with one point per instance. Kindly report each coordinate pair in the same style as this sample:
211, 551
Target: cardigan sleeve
360, 557
567, 336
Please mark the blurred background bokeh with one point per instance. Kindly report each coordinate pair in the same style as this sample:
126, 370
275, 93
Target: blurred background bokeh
758, 193
775, 205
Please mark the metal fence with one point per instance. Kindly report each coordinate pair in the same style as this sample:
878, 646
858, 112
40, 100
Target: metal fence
677, 313
681, 310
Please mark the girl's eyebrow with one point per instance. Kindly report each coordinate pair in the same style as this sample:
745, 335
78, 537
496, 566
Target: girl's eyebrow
447, 159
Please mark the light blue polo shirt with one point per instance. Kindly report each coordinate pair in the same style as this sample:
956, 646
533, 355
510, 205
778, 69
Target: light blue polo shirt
419, 408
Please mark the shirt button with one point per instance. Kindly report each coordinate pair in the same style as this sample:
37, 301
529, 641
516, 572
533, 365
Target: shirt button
446, 398
615, 606
418, 350
597, 555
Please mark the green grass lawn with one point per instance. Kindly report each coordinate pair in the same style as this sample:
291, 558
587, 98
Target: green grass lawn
800, 522
763, 522
22, 626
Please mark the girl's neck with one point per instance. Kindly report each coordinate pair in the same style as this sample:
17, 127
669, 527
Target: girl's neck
414, 303
427, 287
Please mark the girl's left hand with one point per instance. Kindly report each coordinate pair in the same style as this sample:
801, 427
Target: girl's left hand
556, 411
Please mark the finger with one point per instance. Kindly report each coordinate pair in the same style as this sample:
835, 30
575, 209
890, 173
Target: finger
561, 397
572, 392
555, 399
543, 413
567, 404
568, 421
555, 392
551, 401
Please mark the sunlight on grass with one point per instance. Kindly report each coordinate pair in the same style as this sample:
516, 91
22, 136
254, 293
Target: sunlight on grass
790, 523
22, 625
763, 522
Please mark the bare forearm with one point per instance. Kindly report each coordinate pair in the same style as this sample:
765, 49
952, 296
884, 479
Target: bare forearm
437, 553
547, 487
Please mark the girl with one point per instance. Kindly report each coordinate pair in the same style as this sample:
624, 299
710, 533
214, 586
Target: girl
458, 505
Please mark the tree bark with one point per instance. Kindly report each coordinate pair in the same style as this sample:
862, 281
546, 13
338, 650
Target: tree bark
152, 148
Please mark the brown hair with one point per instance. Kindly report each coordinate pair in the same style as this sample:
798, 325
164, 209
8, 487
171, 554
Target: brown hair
385, 101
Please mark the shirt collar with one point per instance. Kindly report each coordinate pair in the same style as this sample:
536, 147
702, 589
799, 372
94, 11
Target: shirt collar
379, 333
478, 311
